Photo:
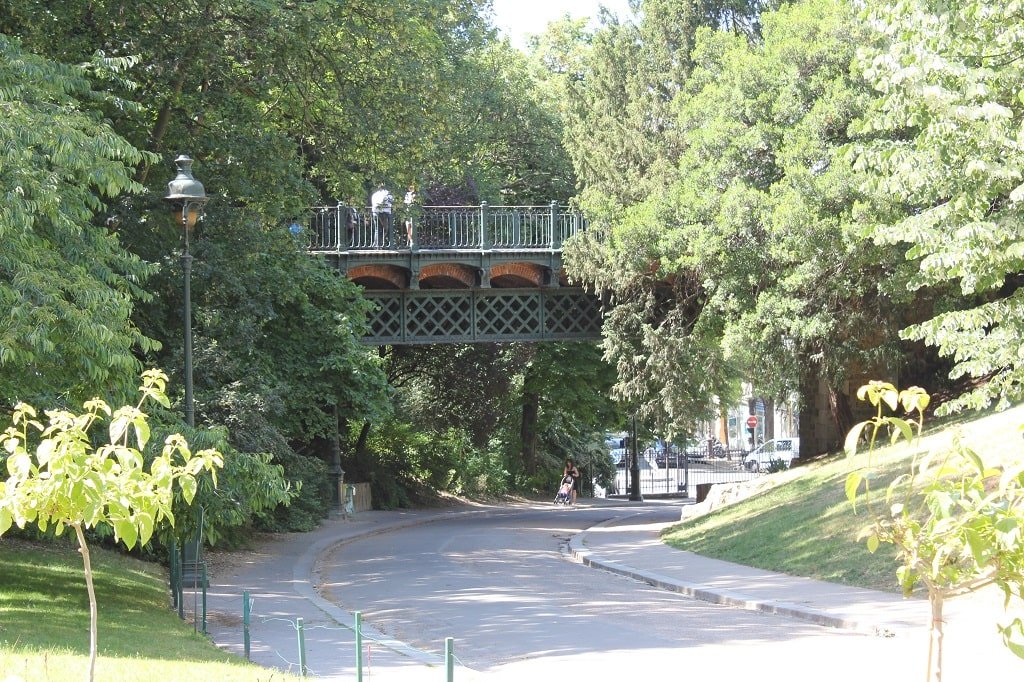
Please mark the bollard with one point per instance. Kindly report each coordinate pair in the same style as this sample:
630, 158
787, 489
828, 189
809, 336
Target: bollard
173, 551
204, 598
179, 583
302, 647
449, 658
359, 645
245, 622
181, 598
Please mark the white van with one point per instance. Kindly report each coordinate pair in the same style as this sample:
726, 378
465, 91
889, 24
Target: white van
784, 449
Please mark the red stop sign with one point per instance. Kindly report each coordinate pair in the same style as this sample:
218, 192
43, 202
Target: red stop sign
752, 421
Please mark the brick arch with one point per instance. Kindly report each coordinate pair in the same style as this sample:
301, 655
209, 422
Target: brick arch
514, 275
447, 276
379, 276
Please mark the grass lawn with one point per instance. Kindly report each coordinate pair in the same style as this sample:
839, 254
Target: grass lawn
806, 527
44, 622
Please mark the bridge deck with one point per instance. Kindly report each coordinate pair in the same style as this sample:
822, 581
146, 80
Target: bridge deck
480, 248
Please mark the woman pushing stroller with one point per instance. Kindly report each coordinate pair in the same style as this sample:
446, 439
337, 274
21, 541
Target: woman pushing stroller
571, 472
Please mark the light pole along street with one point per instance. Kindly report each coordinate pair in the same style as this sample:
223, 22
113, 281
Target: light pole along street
634, 466
187, 198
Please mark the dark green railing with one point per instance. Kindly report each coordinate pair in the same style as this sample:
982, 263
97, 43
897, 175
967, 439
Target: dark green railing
484, 227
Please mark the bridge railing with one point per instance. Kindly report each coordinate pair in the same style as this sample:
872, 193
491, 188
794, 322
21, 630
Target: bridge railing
351, 228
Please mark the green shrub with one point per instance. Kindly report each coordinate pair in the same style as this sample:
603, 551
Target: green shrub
248, 484
311, 501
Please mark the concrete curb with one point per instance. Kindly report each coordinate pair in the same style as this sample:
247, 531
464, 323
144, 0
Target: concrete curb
579, 552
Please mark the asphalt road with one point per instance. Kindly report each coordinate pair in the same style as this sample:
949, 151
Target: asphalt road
502, 587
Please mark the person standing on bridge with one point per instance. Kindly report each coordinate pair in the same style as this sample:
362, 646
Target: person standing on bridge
411, 212
380, 207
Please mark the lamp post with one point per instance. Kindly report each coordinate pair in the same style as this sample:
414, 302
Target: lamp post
634, 487
187, 197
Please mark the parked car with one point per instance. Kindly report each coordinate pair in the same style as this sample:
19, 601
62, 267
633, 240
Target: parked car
621, 458
777, 449
668, 457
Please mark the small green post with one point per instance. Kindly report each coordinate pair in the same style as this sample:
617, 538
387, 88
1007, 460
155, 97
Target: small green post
449, 658
302, 647
204, 597
181, 586
359, 645
246, 605
175, 572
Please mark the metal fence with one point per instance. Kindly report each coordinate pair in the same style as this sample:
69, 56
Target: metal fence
681, 473
352, 228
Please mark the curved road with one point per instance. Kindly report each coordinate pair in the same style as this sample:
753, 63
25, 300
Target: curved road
502, 586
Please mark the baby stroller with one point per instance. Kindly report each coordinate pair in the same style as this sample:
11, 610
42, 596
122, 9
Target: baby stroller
564, 495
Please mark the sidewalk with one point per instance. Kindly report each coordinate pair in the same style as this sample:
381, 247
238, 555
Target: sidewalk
972, 650
282, 582
634, 549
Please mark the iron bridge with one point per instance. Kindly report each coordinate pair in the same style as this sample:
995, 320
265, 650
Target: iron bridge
460, 274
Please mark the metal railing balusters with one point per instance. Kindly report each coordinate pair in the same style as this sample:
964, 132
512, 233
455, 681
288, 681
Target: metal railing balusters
349, 228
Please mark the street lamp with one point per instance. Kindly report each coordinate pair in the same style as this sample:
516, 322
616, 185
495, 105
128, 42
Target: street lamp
634, 487
187, 197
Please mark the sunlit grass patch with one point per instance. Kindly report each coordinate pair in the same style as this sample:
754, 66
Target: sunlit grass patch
807, 527
44, 622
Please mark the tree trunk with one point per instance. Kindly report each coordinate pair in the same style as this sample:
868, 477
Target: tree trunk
769, 418
163, 118
842, 415
528, 431
935, 635
360, 449
83, 549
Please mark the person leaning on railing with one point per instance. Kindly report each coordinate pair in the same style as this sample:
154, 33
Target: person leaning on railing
380, 207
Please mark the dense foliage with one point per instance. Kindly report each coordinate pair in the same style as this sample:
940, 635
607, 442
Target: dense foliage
730, 248
776, 190
948, 149
283, 105
63, 338
734, 231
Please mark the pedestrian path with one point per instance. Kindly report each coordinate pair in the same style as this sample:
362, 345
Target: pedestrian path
632, 547
282, 580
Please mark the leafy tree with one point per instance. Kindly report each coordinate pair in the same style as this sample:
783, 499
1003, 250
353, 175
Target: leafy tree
285, 105
566, 405
737, 250
63, 336
945, 128
767, 124
68, 483
618, 86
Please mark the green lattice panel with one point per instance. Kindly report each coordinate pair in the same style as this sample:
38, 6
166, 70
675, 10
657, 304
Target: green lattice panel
465, 316
386, 318
501, 316
439, 317
572, 314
